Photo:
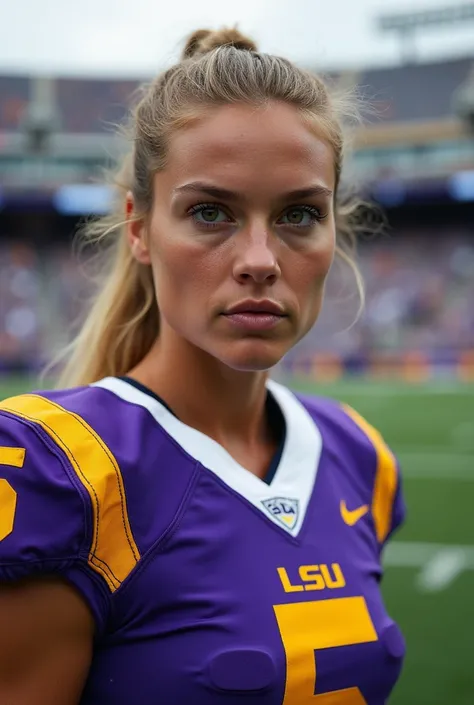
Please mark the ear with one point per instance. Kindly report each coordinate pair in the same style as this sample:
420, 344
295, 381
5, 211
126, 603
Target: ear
136, 234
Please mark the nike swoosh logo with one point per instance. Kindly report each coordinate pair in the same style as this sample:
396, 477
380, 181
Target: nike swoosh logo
352, 516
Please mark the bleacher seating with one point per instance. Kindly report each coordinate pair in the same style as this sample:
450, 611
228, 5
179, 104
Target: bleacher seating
419, 290
400, 93
14, 94
415, 92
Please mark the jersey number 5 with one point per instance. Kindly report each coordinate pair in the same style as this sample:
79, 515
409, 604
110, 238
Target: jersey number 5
14, 457
338, 622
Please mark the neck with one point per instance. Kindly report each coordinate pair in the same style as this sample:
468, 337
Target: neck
225, 404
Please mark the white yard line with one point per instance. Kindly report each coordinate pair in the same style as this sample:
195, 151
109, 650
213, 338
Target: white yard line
441, 570
439, 564
413, 553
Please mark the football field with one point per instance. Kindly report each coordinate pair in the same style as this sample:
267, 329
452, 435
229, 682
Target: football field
429, 578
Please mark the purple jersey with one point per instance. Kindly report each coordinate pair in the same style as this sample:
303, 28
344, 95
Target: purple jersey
208, 585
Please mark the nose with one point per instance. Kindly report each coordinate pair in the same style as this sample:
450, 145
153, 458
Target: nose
256, 259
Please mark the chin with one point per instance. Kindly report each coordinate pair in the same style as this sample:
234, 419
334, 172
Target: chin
252, 356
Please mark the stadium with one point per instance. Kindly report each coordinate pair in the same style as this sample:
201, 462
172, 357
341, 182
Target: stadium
406, 362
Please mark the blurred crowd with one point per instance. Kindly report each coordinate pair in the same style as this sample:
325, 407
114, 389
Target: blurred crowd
419, 297
43, 293
94, 105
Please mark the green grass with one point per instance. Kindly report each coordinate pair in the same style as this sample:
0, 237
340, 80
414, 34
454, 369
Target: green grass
431, 429
9, 386
438, 629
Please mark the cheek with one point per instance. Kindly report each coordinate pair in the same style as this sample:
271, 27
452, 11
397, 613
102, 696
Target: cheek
315, 266
185, 276
309, 279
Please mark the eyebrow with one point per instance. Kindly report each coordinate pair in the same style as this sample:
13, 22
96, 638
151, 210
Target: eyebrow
216, 192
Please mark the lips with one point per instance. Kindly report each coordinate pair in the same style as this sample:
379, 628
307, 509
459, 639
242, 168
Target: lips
263, 307
254, 317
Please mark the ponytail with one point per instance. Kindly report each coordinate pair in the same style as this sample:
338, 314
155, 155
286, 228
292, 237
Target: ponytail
123, 318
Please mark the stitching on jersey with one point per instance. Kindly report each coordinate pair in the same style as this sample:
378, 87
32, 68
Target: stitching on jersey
51, 437
353, 415
97, 561
168, 532
111, 458
168, 437
47, 441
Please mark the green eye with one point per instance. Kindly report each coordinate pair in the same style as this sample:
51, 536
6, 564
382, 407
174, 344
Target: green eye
296, 216
301, 216
209, 214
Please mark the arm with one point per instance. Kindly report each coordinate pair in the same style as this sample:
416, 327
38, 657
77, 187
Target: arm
46, 636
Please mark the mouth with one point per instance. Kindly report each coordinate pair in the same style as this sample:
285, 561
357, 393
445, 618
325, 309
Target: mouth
255, 315
264, 307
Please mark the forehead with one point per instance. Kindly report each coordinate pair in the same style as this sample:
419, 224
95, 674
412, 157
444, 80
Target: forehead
252, 147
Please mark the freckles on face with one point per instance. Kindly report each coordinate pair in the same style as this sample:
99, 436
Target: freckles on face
187, 273
249, 167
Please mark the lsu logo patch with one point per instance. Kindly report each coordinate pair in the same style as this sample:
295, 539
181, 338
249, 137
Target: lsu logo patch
285, 510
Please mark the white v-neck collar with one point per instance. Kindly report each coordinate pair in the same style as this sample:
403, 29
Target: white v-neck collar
286, 499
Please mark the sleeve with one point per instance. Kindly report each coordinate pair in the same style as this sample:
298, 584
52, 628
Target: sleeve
387, 501
43, 516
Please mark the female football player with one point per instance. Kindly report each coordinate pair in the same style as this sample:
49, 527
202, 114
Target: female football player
175, 527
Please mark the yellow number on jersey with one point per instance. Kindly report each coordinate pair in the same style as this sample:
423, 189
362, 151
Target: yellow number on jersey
14, 457
340, 622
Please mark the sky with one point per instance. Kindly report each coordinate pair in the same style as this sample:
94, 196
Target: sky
139, 37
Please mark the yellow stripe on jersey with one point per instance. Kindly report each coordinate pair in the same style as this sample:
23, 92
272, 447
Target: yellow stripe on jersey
114, 552
385, 485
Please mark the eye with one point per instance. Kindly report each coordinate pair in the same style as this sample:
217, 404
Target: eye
301, 216
208, 214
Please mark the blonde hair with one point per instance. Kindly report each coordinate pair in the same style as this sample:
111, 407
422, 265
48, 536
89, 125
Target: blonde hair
216, 68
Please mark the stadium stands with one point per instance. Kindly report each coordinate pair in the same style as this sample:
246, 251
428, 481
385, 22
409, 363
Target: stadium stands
419, 298
92, 105
420, 288
21, 307
14, 92
415, 92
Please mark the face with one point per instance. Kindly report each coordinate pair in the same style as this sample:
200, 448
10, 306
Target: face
241, 235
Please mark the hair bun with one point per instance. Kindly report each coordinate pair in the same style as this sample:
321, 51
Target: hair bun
204, 40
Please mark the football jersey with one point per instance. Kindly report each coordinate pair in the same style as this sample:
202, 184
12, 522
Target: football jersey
207, 585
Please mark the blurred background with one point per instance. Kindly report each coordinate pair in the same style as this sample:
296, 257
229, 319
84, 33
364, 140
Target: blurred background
67, 76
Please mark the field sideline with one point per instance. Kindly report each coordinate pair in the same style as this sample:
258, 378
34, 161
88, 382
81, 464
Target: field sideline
429, 576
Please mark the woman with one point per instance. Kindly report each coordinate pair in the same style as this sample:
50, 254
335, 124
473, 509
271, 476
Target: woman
175, 527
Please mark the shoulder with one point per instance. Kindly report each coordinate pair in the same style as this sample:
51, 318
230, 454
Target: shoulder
106, 443
340, 424
361, 450
50, 418
344, 425
42, 526
30, 449
66, 496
